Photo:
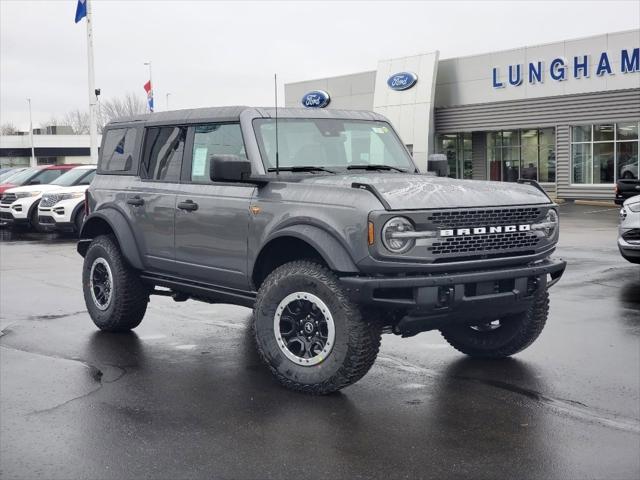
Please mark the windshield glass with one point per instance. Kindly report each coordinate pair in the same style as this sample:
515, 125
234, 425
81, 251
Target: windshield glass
333, 144
71, 177
7, 175
23, 176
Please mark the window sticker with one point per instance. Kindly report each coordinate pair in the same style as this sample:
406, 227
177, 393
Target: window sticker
380, 129
199, 162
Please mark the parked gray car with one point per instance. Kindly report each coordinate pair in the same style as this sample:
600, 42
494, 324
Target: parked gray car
629, 230
321, 222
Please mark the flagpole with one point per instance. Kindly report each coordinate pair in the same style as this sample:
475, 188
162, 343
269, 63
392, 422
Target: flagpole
93, 129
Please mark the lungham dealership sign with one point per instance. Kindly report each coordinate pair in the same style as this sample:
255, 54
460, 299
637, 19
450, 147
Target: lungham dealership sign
316, 99
560, 68
402, 81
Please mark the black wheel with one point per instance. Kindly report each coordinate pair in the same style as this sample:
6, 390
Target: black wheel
502, 337
114, 294
627, 175
312, 337
33, 220
78, 220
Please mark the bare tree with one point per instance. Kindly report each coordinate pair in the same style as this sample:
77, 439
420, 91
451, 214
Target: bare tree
8, 128
130, 104
78, 120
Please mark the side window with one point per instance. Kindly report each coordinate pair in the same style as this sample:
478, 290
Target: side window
162, 157
47, 176
86, 180
117, 153
214, 139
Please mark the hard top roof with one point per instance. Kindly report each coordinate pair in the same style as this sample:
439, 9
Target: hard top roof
233, 114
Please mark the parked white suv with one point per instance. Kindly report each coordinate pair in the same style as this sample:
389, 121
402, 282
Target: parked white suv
62, 209
19, 205
629, 230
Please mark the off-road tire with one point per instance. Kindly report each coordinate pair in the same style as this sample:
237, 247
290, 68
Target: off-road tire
515, 333
129, 296
357, 339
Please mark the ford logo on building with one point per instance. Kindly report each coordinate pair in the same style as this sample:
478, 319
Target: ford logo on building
316, 99
402, 81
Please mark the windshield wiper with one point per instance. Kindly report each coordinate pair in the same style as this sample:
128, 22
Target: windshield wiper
375, 167
303, 168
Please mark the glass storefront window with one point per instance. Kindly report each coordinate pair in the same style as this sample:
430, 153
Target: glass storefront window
514, 154
609, 153
457, 148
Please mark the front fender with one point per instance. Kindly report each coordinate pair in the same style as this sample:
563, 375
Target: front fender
331, 250
94, 225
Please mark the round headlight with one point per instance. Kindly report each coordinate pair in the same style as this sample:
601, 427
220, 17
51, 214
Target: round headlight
396, 235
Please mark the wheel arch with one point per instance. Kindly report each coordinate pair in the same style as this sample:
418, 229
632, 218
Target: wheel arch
299, 242
105, 222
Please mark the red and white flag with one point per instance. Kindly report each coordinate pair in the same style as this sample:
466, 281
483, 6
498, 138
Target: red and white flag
149, 90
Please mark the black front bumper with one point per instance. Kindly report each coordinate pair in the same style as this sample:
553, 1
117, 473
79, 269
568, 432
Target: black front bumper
432, 301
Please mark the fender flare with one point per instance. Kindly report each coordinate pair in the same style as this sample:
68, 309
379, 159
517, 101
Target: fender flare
330, 249
121, 229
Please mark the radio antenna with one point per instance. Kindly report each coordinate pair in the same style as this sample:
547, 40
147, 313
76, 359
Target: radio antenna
275, 84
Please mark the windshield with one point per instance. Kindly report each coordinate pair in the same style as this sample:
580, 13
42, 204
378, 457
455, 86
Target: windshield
71, 177
7, 175
333, 144
23, 176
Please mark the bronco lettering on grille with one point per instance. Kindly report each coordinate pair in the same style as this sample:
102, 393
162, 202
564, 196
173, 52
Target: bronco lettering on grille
455, 232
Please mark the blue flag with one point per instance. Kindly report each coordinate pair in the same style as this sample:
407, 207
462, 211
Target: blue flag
81, 10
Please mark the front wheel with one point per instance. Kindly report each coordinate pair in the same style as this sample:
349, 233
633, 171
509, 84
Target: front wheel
502, 337
312, 337
115, 296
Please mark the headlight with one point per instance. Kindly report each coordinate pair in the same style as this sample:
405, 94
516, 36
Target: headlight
549, 225
634, 207
398, 235
27, 194
67, 196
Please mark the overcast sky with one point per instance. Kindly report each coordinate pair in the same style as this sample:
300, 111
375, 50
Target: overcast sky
210, 53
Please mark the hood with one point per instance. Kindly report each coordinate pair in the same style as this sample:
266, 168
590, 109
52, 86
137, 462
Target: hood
419, 191
76, 188
34, 188
6, 186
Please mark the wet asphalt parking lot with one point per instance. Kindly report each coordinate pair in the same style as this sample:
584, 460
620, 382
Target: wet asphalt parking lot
185, 395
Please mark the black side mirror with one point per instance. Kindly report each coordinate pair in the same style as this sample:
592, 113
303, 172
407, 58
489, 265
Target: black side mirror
34, 182
229, 168
438, 164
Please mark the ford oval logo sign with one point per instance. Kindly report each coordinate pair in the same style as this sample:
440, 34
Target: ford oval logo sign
402, 81
316, 99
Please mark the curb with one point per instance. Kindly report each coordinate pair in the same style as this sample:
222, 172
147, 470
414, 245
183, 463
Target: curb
596, 203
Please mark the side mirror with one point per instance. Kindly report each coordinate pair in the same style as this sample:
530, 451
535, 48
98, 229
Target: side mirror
229, 168
438, 164
34, 182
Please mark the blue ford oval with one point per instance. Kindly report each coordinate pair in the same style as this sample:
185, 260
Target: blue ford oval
316, 99
402, 81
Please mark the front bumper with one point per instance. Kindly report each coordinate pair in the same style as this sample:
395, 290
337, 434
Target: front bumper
432, 301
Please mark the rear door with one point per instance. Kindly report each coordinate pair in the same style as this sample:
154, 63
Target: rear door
212, 217
152, 199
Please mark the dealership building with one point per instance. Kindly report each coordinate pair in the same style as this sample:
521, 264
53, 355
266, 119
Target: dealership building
566, 114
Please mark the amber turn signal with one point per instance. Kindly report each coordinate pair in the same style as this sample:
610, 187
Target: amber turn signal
370, 233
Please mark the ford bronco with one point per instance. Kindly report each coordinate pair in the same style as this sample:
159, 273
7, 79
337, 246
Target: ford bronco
322, 223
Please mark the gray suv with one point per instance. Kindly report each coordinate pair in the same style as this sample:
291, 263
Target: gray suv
321, 222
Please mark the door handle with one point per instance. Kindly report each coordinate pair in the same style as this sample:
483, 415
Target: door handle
135, 201
188, 205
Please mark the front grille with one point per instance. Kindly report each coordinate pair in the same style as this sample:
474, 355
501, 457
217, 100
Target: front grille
49, 200
485, 243
46, 220
632, 235
8, 198
484, 217
6, 216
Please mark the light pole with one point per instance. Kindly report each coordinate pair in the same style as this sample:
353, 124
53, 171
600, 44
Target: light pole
33, 162
168, 100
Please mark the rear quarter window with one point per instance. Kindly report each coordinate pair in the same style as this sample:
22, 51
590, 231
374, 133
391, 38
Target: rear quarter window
119, 153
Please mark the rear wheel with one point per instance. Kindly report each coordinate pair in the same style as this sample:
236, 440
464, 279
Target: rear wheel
312, 337
115, 296
78, 220
34, 221
502, 337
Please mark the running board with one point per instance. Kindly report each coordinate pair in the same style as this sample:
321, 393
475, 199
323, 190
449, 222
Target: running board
201, 291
